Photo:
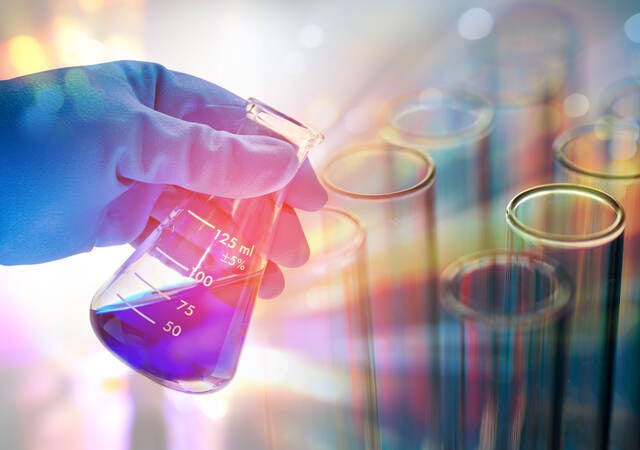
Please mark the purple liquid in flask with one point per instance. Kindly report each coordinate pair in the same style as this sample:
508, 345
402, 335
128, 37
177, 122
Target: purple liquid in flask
185, 337
178, 309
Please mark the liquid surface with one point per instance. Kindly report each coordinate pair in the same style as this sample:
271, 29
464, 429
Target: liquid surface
193, 334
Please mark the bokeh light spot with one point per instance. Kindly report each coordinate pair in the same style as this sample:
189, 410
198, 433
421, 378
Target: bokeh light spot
88, 102
475, 23
49, 98
36, 122
26, 54
74, 45
632, 28
311, 36
76, 79
576, 105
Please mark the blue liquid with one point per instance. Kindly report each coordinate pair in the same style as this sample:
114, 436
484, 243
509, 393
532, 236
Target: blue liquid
188, 339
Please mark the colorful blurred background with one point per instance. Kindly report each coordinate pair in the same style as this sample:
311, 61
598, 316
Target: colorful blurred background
337, 65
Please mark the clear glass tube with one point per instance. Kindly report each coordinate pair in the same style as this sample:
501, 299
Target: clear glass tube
525, 67
504, 338
622, 98
527, 35
390, 189
326, 397
582, 229
605, 155
525, 124
450, 126
178, 308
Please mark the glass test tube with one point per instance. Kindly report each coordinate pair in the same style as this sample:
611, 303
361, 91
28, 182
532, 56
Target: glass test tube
606, 155
505, 322
582, 229
325, 397
390, 189
524, 67
451, 126
534, 29
622, 98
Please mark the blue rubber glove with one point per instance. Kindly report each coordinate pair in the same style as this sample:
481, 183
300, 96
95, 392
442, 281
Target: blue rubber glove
86, 152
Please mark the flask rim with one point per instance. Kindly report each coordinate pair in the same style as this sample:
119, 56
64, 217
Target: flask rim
291, 129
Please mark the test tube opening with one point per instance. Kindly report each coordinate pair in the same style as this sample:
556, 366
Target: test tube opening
622, 98
505, 342
437, 118
512, 82
355, 172
503, 289
569, 215
553, 27
607, 149
525, 59
333, 233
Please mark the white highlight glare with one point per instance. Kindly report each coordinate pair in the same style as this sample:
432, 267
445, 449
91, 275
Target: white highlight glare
311, 36
240, 57
475, 23
576, 105
264, 365
632, 28
77, 47
215, 408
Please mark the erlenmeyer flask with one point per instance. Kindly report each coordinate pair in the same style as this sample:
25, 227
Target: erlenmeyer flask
177, 310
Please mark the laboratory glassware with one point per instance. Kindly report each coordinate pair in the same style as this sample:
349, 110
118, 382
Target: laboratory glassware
451, 126
322, 392
545, 34
622, 98
525, 66
605, 154
504, 330
177, 310
390, 190
582, 229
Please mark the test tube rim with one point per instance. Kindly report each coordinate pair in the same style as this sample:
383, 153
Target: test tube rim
402, 137
543, 64
256, 108
605, 125
361, 236
424, 183
564, 43
563, 290
617, 91
566, 22
606, 235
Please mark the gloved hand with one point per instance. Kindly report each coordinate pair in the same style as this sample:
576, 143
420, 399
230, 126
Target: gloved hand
86, 152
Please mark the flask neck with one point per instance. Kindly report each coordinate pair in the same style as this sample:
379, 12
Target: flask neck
302, 136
